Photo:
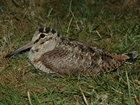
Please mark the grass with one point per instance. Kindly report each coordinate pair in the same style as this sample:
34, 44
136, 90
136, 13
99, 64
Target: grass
110, 25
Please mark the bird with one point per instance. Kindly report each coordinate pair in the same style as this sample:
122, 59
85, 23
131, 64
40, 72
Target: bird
51, 53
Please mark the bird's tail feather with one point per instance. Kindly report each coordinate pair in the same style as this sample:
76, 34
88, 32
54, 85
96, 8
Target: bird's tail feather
132, 55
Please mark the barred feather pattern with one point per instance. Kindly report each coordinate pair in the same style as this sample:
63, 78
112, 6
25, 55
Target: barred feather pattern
52, 53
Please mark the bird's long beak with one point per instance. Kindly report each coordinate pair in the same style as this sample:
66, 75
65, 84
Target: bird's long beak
23, 48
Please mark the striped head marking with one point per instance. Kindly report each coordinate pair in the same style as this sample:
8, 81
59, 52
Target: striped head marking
43, 37
45, 34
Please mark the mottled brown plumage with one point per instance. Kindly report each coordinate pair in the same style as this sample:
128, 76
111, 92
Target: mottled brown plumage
52, 53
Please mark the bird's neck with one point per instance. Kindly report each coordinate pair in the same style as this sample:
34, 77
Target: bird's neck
38, 50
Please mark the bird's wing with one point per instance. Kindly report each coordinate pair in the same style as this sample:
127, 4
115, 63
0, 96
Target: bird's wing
74, 57
69, 57
62, 61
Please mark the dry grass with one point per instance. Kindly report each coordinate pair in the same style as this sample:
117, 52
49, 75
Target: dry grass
121, 5
113, 26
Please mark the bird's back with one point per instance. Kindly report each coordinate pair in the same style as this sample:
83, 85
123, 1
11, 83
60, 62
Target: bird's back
73, 57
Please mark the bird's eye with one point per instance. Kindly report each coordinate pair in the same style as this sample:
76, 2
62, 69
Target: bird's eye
42, 35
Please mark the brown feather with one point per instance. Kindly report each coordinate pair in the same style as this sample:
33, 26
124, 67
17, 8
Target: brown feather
51, 53
74, 57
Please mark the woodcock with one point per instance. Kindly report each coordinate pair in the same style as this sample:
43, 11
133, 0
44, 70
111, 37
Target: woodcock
52, 53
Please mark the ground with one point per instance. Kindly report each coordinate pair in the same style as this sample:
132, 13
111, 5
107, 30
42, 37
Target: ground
108, 24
